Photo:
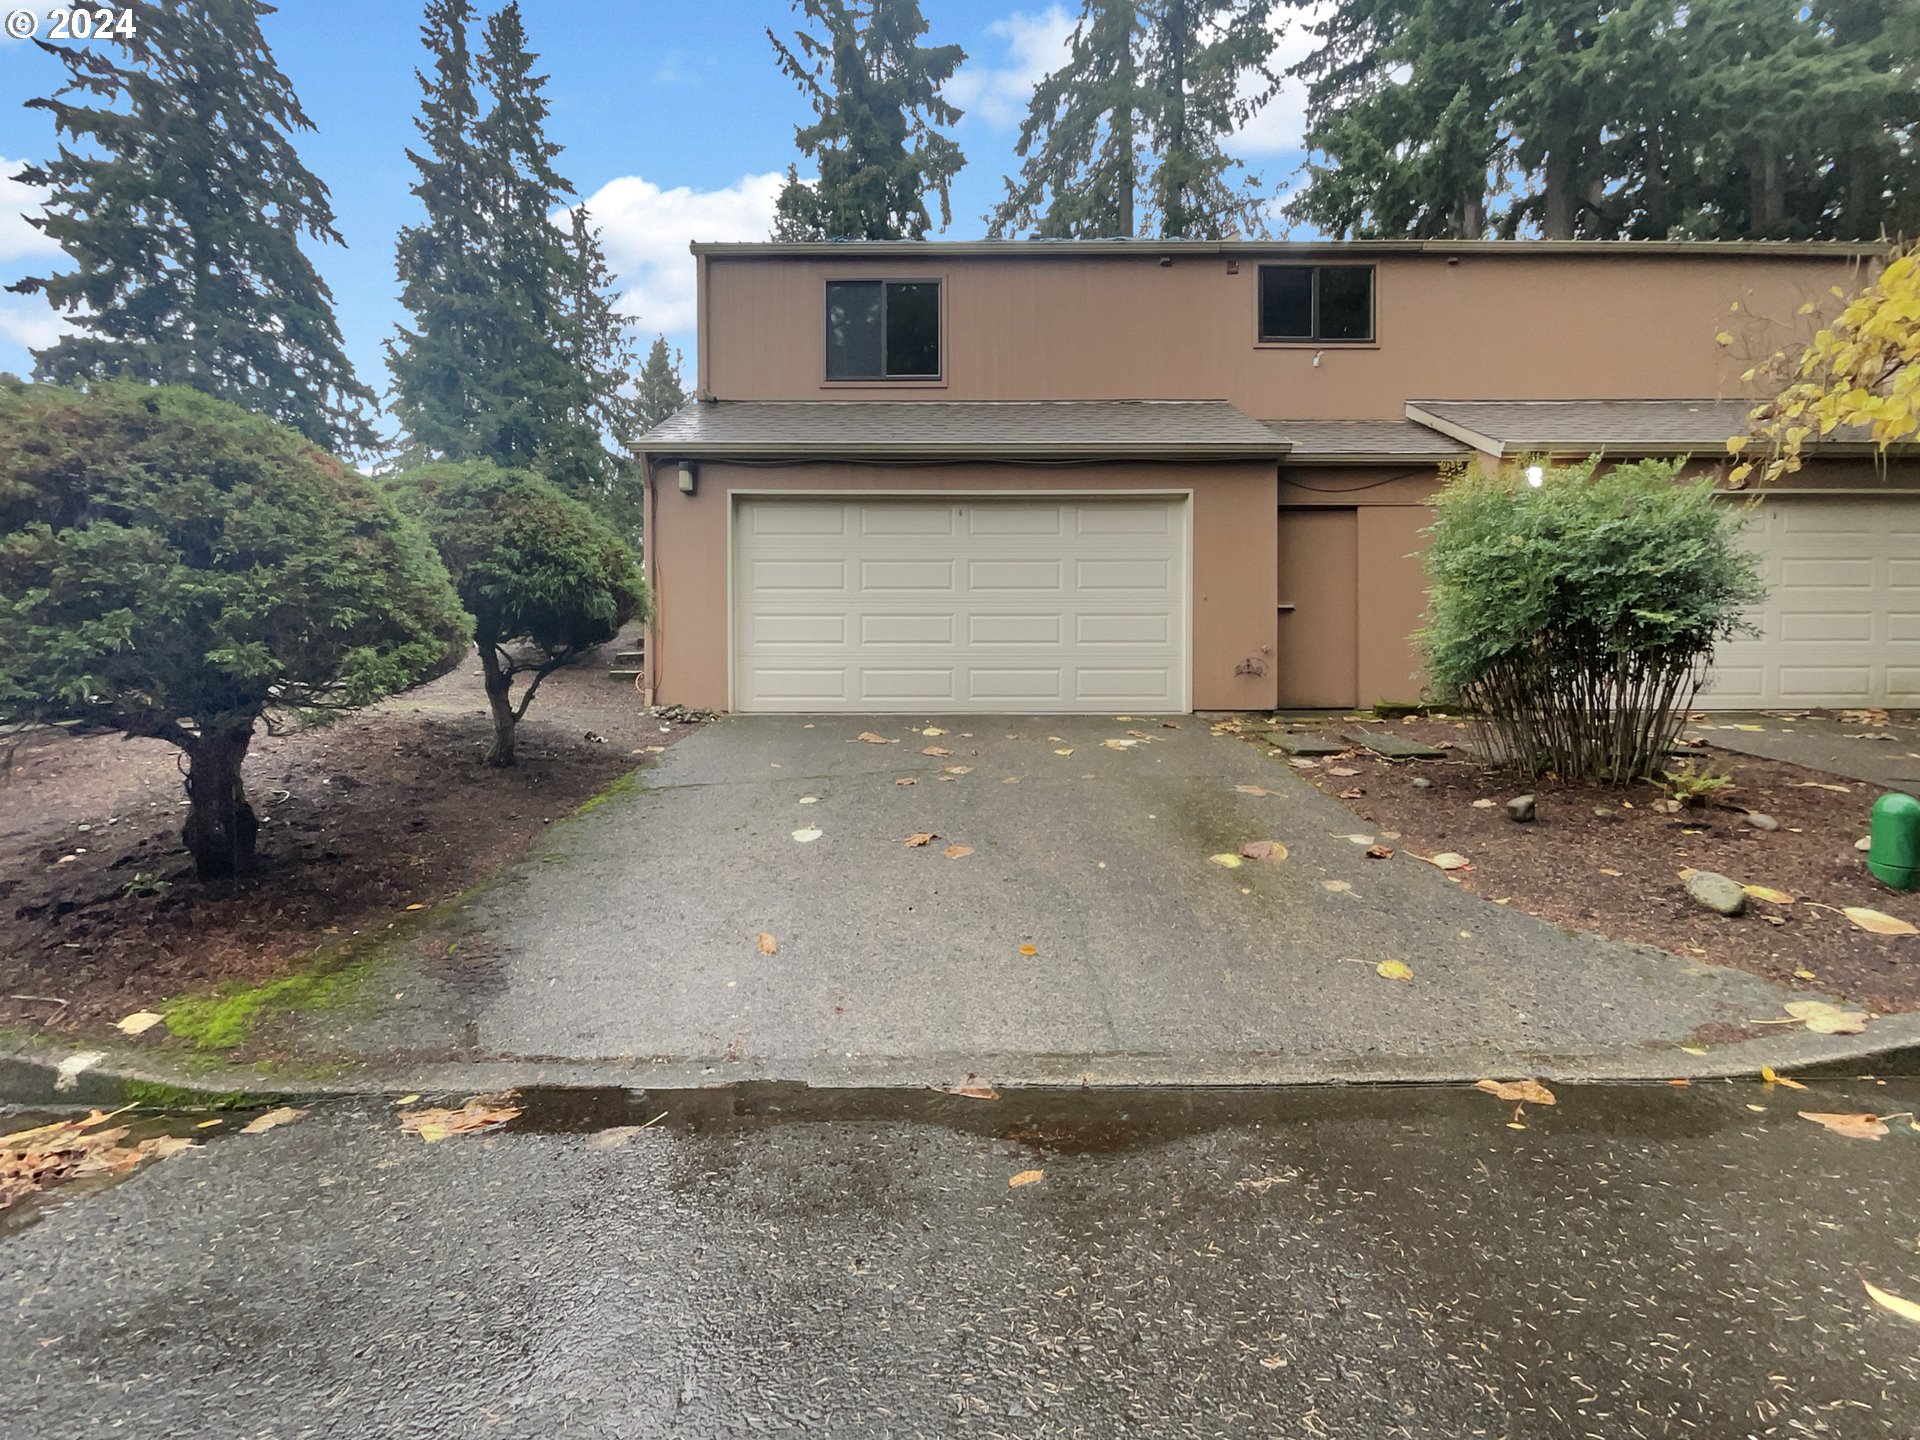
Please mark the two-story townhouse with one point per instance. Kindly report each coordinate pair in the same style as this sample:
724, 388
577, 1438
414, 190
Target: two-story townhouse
1158, 476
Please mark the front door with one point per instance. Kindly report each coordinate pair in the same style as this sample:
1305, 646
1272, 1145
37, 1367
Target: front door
1319, 608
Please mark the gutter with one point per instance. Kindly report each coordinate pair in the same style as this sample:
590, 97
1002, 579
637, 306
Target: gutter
1133, 248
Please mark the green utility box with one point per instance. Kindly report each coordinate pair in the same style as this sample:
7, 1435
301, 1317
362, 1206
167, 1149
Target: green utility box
1893, 854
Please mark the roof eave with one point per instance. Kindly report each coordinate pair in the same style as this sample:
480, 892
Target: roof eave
788, 450
747, 249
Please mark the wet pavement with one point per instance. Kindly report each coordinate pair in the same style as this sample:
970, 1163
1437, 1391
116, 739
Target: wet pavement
1381, 1262
1884, 755
1084, 933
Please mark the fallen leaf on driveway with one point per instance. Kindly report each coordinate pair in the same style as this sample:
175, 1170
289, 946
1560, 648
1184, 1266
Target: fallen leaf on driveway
1353, 794
1339, 887
1230, 862
971, 1088
1528, 1092
1822, 785
808, 800
1854, 1127
1068, 751
807, 833
1774, 1077
1026, 1177
767, 944
935, 750
1271, 851
1343, 771
932, 730
1769, 894
1824, 1019
1139, 734
483, 1112
1300, 762
139, 1022
920, 837
1029, 949
279, 1115
867, 737
1253, 790
1485, 804
1608, 870
904, 780
1119, 744
1905, 1309
1379, 852
1394, 970
959, 852
1875, 923
1447, 860
959, 770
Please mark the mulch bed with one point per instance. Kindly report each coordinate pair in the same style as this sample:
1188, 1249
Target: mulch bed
364, 820
1621, 878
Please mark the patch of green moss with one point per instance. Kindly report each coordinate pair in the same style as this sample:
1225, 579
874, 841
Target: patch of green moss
224, 1019
153, 1096
627, 784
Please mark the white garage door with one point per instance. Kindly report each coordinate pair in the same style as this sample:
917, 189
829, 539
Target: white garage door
922, 605
1842, 623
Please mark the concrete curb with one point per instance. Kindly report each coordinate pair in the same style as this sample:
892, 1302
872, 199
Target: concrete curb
47, 1075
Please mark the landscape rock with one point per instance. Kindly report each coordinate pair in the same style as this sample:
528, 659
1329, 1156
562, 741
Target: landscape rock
1603, 812
1762, 822
1520, 808
1421, 782
1717, 892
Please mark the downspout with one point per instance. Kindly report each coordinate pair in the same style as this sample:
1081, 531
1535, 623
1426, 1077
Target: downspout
650, 570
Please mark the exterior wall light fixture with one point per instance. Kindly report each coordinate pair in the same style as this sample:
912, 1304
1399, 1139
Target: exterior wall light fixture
688, 478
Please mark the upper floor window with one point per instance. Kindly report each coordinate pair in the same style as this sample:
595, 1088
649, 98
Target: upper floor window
883, 330
1316, 302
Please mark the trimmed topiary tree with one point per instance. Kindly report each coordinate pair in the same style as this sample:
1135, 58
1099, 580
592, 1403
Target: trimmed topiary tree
544, 577
1579, 617
175, 567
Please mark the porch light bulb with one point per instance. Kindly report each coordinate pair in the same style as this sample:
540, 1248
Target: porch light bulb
1536, 477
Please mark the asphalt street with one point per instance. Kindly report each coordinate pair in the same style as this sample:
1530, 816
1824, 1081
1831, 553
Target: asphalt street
1646, 1261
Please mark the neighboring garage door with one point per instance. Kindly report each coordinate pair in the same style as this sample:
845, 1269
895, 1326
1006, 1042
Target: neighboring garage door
1841, 625
960, 603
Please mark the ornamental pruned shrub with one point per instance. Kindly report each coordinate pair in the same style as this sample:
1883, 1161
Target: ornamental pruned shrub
544, 576
1578, 618
175, 567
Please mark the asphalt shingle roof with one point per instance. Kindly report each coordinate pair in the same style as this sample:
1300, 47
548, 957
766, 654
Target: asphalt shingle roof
1643, 427
1351, 441
1173, 429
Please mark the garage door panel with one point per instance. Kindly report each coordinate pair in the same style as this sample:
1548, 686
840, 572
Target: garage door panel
1051, 604
1841, 623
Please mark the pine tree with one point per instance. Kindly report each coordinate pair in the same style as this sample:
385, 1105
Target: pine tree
183, 213
875, 90
661, 391
445, 275
1127, 136
517, 354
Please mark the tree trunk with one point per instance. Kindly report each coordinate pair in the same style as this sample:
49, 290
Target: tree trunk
500, 703
1557, 201
1123, 122
1769, 205
221, 827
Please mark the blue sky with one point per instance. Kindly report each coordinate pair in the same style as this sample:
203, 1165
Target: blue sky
677, 126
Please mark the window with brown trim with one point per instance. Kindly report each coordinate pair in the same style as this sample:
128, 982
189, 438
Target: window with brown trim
883, 330
1316, 303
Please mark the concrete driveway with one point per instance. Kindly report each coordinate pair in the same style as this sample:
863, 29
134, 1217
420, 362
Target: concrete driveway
632, 940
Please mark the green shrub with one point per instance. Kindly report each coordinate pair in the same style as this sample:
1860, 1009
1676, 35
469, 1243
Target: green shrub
544, 576
1579, 618
172, 566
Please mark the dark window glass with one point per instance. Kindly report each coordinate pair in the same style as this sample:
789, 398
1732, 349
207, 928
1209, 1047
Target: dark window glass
853, 330
880, 330
913, 328
1346, 302
1286, 302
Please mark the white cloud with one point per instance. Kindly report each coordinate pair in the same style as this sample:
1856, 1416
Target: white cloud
29, 322
1035, 46
646, 231
1282, 121
18, 239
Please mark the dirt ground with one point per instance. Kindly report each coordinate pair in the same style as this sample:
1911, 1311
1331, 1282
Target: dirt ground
1621, 876
361, 821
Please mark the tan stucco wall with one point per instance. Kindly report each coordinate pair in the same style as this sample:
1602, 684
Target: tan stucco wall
1234, 547
1566, 326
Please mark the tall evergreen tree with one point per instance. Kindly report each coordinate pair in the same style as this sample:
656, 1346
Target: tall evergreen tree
661, 390
1615, 118
183, 211
1127, 136
446, 279
875, 91
517, 354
